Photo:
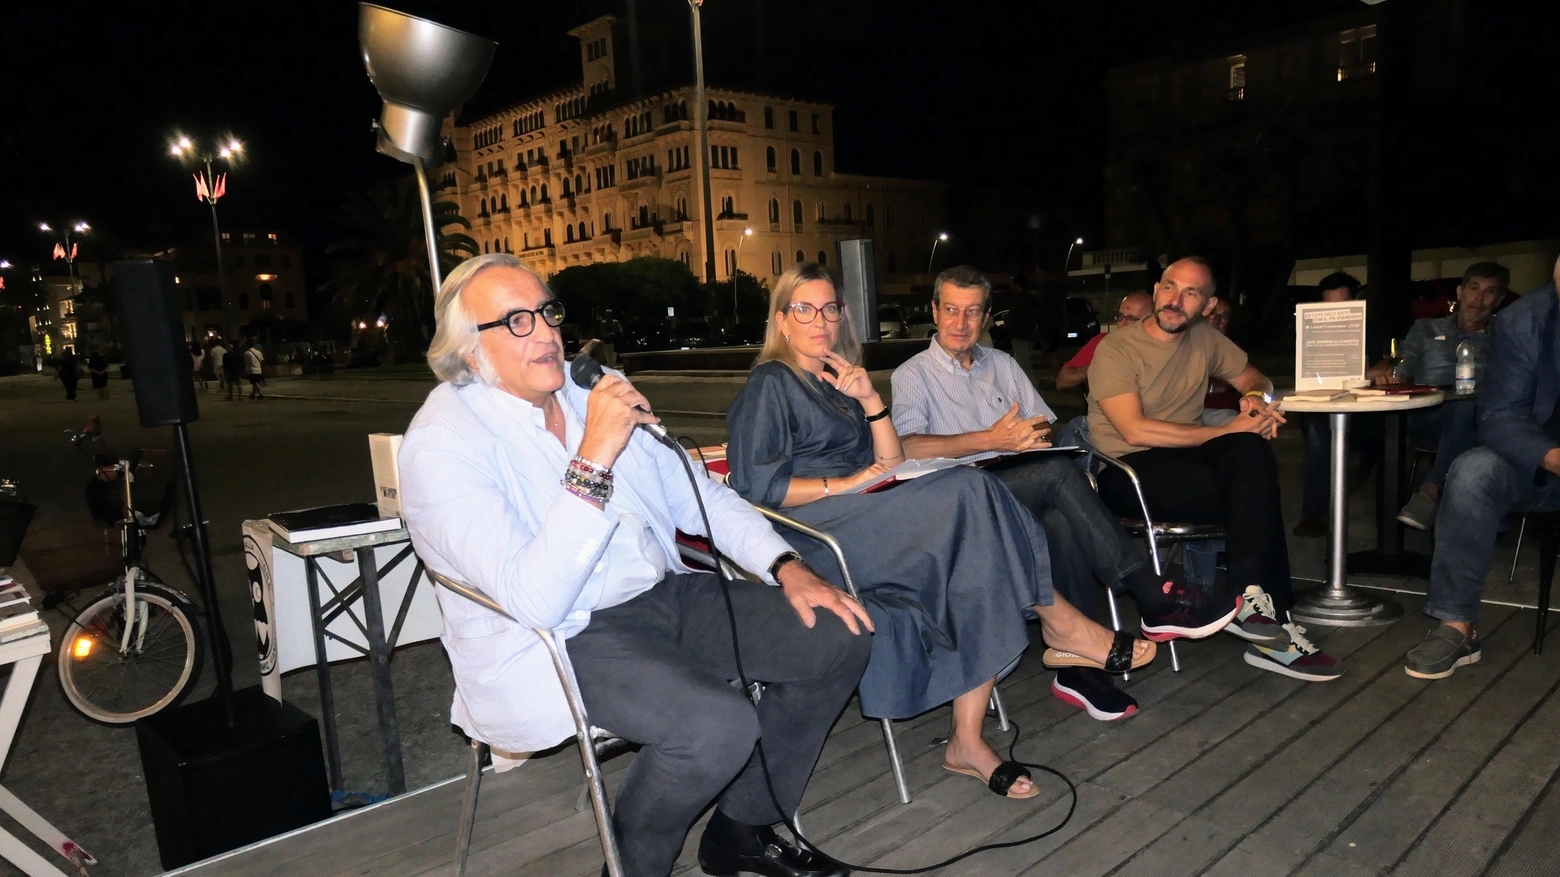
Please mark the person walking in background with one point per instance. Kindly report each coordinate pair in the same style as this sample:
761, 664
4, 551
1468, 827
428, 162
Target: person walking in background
218, 358
254, 368
197, 365
232, 371
65, 370
97, 364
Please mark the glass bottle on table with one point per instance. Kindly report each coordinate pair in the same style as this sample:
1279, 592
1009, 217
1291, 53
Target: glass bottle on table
1394, 363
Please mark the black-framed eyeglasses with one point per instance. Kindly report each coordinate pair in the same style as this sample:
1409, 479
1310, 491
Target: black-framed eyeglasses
806, 313
521, 322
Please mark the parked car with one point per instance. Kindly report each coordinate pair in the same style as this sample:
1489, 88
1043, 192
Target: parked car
1082, 322
920, 326
891, 322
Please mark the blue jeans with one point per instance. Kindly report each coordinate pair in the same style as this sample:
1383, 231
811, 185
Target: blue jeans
1449, 430
1481, 489
1200, 560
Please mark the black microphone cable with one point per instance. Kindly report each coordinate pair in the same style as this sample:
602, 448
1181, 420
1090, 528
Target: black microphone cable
763, 761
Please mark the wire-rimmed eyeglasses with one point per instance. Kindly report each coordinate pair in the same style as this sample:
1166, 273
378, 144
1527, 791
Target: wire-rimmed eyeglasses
521, 322
806, 313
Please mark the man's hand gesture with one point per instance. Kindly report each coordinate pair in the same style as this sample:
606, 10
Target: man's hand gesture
807, 592
1014, 433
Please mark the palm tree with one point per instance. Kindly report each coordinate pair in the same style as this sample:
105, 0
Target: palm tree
381, 266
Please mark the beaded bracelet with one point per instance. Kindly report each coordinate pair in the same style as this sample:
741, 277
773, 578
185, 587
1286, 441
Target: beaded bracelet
590, 467
593, 488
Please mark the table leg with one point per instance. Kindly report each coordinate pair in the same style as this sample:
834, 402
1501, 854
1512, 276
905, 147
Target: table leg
379, 661
1388, 557
1335, 604
322, 672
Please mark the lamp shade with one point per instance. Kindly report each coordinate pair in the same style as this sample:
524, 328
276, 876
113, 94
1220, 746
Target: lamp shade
423, 71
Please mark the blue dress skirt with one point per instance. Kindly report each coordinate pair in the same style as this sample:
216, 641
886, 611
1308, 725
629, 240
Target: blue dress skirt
949, 564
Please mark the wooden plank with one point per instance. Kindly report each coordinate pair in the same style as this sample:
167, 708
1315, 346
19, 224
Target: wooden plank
1531, 849
1252, 773
1469, 832
1399, 814
1314, 816
1112, 846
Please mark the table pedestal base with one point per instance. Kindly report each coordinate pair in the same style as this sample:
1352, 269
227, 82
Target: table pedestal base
1345, 607
1406, 564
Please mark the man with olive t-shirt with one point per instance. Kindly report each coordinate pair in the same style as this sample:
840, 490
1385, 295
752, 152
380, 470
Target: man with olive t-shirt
1147, 384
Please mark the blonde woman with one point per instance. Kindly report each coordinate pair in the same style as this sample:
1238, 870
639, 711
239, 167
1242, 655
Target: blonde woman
948, 564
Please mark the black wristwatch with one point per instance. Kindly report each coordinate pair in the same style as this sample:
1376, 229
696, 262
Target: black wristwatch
782, 560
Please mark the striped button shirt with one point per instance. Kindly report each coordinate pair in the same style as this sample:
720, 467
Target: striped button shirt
935, 395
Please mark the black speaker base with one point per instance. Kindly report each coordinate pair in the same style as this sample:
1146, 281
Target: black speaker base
214, 788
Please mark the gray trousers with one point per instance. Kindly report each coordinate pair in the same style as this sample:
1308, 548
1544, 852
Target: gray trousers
657, 669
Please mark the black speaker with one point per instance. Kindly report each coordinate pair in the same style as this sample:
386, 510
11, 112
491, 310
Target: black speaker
155, 350
215, 788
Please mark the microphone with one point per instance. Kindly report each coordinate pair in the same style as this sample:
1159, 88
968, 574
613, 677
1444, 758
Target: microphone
586, 372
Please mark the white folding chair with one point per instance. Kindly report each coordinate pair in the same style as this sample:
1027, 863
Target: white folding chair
850, 587
590, 738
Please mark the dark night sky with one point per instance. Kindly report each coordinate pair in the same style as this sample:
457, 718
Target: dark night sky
1001, 93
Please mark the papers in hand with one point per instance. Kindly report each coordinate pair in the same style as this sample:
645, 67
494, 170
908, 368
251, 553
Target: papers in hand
904, 472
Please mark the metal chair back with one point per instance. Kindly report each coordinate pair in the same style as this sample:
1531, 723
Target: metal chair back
584, 731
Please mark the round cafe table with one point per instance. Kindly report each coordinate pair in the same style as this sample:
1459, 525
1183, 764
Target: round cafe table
1335, 604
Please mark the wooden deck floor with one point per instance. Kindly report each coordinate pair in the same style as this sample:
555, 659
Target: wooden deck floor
1227, 770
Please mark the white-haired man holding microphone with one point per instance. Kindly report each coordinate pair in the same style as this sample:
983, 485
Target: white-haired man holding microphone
550, 498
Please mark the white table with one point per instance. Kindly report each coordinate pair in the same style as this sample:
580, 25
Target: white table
27, 654
1335, 604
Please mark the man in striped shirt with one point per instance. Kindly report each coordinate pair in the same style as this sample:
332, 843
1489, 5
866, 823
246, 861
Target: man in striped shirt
960, 399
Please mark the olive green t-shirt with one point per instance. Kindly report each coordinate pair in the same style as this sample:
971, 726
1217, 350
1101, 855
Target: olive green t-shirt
1170, 377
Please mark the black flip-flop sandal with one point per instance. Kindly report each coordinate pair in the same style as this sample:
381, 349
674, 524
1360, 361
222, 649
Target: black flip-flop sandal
1003, 778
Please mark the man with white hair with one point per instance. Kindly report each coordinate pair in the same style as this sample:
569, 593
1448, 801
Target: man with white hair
547, 496
1517, 469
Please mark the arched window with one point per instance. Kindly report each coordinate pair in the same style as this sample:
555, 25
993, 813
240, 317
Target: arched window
893, 263
485, 251
523, 201
800, 257
544, 192
869, 216
731, 263
484, 210
265, 296
823, 258
568, 234
547, 237
727, 205
776, 263
847, 211
817, 164
533, 195
821, 211
769, 159
796, 163
796, 214
566, 191
579, 182
503, 203
686, 258
582, 231
506, 245
606, 221
682, 208
774, 211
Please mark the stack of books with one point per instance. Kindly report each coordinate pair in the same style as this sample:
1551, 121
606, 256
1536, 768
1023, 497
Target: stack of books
331, 522
18, 619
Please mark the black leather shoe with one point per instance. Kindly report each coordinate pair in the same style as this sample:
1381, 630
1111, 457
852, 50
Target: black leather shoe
775, 857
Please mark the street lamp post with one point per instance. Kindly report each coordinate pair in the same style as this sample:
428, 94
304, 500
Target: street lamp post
736, 272
704, 142
66, 249
210, 189
1077, 242
935, 241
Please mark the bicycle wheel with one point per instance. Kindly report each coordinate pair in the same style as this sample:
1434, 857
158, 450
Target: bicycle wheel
158, 669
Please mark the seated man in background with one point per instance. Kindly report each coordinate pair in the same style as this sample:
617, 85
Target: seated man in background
1516, 470
1222, 401
1338, 286
547, 497
1147, 386
960, 399
1428, 356
1075, 373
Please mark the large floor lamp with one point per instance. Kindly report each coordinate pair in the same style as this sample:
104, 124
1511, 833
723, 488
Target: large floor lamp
423, 71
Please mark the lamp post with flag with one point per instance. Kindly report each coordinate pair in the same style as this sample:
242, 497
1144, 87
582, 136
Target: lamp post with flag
64, 247
209, 189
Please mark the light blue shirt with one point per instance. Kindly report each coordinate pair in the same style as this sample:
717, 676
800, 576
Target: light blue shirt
935, 395
482, 496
